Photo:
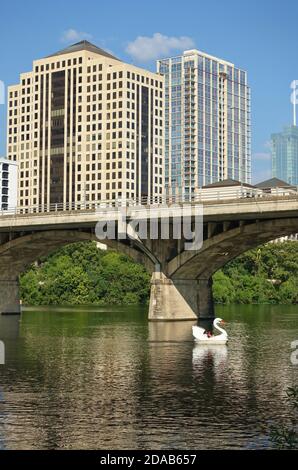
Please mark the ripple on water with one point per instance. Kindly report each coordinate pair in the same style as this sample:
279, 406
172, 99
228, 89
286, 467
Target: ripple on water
101, 378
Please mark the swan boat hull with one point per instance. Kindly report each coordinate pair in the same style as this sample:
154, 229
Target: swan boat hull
211, 341
201, 338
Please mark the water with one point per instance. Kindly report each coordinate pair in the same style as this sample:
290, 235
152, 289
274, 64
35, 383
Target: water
105, 378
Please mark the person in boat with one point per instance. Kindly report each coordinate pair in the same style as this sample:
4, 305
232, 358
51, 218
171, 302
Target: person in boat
208, 333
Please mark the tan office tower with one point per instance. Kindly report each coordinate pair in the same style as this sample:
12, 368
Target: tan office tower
86, 127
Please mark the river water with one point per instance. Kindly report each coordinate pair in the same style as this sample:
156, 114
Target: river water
105, 378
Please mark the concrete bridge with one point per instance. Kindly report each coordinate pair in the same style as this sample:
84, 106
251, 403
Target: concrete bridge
181, 285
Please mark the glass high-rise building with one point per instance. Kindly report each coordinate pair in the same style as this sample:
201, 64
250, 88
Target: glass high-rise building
284, 153
207, 122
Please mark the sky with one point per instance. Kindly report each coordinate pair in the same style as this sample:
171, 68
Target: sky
259, 36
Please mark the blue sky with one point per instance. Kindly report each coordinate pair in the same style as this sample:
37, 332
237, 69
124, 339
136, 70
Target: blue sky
259, 36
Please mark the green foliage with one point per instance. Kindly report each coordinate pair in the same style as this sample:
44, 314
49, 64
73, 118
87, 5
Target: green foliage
268, 274
223, 290
285, 436
83, 274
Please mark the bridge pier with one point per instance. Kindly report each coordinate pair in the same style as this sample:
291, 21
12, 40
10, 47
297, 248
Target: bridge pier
9, 297
206, 304
180, 299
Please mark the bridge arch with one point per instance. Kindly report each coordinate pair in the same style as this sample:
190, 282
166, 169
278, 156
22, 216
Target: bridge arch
17, 254
224, 247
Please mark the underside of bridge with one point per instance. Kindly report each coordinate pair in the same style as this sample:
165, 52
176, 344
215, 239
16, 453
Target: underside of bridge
181, 285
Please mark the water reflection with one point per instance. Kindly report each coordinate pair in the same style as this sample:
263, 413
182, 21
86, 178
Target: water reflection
209, 356
9, 326
168, 331
105, 378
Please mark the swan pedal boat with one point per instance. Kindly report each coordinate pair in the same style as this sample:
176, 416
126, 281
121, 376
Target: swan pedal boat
201, 337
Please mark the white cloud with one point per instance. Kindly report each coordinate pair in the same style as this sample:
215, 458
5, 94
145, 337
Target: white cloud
72, 35
263, 156
144, 49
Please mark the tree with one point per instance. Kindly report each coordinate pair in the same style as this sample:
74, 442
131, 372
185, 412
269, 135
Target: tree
268, 274
83, 274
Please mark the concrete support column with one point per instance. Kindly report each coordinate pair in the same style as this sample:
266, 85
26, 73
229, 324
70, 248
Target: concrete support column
180, 299
9, 297
206, 305
173, 299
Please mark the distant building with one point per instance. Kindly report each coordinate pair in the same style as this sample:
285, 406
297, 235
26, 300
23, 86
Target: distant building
207, 122
86, 127
276, 186
8, 184
228, 189
284, 153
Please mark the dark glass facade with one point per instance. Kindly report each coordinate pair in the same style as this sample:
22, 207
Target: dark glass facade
57, 138
145, 141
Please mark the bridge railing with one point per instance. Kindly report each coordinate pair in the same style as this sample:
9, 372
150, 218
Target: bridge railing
204, 196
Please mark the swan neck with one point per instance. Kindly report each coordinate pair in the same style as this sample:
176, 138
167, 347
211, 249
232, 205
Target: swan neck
218, 328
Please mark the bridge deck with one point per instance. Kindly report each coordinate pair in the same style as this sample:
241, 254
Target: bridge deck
269, 207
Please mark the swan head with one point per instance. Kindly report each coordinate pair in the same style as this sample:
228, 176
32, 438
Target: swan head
218, 321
